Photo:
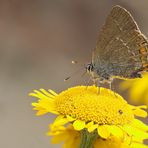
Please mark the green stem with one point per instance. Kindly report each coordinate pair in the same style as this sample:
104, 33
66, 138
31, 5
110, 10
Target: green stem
88, 139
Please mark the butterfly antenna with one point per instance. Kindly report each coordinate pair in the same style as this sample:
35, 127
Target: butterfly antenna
67, 78
71, 75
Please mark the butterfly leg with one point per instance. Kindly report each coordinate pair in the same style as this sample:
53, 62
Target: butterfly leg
99, 87
110, 81
87, 82
97, 84
111, 86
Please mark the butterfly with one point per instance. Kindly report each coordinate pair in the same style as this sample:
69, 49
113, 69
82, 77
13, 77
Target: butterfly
121, 50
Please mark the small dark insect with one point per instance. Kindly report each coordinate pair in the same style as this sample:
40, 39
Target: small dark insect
121, 50
120, 112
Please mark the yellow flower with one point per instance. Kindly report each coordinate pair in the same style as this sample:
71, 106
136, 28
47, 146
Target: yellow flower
71, 139
94, 109
138, 89
68, 135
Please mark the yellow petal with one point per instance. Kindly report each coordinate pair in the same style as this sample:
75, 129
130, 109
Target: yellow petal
52, 92
139, 124
142, 106
46, 93
138, 145
103, 131
60, 120
47, 105
91, 126
39, 95
135, 132
79, 125
70, 118
140, 113
41, 112
116, 131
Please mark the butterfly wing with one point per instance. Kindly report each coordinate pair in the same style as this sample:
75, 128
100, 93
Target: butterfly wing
121, 48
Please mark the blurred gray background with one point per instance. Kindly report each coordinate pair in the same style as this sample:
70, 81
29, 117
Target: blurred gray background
38, 41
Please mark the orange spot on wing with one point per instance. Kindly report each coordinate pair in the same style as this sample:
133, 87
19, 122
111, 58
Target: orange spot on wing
144, 59
143, 51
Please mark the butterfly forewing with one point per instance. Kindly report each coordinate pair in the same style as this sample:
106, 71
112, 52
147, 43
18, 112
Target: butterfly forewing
117, 52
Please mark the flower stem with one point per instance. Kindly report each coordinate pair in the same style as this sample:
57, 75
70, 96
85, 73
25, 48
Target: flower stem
87, 139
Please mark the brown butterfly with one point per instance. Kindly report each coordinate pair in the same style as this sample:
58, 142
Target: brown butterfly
121, 50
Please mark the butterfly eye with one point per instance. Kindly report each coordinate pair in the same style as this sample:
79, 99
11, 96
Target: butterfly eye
89, 67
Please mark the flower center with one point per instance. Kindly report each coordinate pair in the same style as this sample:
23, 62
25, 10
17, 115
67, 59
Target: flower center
87, 104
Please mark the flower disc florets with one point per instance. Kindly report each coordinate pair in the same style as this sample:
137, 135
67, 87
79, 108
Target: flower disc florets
91, 104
